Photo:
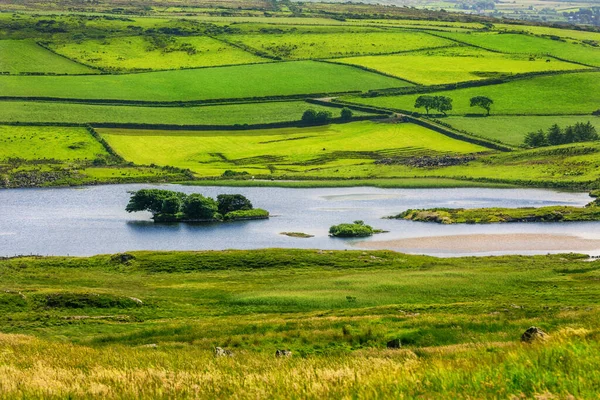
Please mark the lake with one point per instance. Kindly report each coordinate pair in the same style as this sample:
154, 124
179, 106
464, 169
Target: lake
91, 220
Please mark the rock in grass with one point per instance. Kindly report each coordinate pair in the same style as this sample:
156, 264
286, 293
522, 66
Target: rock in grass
283, 353
123, 258
533, 334
394, 344
221, 352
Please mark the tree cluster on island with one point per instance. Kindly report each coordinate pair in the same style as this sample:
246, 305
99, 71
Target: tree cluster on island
444, 103
356, 229
170, 206
555, 135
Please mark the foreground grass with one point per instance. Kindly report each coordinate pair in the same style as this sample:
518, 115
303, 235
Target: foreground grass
459, 321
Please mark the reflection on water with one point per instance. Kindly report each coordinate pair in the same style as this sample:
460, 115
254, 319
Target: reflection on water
92, 220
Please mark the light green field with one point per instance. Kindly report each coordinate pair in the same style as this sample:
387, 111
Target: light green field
512, 130
257, 80
527, 44
287, 150
577, 93
138, 52
23, 56
230, 114
455, 64
302, 46
37, 143
545, 30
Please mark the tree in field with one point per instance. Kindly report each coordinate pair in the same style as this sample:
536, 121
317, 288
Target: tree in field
309, 115
427, 102
442, 104
346, 114
483, 102
536, 139
232, 202
555, 135
585, 132
323, 116
196, 206
570, 136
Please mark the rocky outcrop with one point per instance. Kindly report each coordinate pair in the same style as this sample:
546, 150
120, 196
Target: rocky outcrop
533, 334
221, 352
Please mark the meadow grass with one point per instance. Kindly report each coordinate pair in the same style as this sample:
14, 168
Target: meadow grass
256, 80
342, 44
288, 150
527, 44
39, 143
455, 64
573, 93
138, 52
229, 114
512, 129
25, 56
459, 321
546, 30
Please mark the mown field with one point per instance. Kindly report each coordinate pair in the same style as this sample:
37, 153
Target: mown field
459, 324
228, 114
285, 150
25, 56
527, 44
568, 94
344, 44
456, 64
257, 80
512, 129
155, 53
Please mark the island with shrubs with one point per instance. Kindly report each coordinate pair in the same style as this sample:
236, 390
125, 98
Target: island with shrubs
170, 206
591, 212
355, 229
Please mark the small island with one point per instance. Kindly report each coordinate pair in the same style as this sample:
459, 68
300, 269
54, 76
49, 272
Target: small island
170, 206
590, 212
356, 229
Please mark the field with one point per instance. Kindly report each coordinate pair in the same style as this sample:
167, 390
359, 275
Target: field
155, 53
568, 94
455, 64
258, 80
459, 323
311, 46
229, 114
512, 129
38, 143
526, 44
25, 56
284, 151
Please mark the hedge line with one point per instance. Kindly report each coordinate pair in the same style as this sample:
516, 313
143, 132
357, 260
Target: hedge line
104, 143
350, 106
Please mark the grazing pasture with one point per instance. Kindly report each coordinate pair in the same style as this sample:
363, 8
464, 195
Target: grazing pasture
342, 44
25, 56
229, 114
256, 80
568, 94
512, 129
455, 64
155, 53
37, 143
532, 45
281, 151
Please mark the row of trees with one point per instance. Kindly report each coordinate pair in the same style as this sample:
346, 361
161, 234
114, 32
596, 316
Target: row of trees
443, 103
311, 116
579, 132
162, 203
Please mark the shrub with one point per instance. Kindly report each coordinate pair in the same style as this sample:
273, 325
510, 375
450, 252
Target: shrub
256, 213
232, 202
356, 229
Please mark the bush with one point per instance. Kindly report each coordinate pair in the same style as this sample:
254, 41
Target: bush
346, 114
256, 213
232, 202
356, 229
196, 206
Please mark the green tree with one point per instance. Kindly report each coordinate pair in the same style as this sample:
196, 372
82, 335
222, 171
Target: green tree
150, 200
232, 202
323, 116
442, 104
309, 115
555, 135
346, 114
483, 102
585, 132
536, 139
196, 206
427, 102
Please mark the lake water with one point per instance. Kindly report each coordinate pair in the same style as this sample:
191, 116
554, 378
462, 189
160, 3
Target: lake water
92, 220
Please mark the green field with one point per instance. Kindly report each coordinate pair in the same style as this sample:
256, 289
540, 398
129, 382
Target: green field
37, 143
71, 329
512, 129
230, 114
576, 93
282, 151
142, 53
455, 64
343, 44
258, 80
25, 56
527, 44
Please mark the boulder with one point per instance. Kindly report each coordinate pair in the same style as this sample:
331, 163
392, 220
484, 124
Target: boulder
221, 352
123, 258
283, 353
533, 334
394, 344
